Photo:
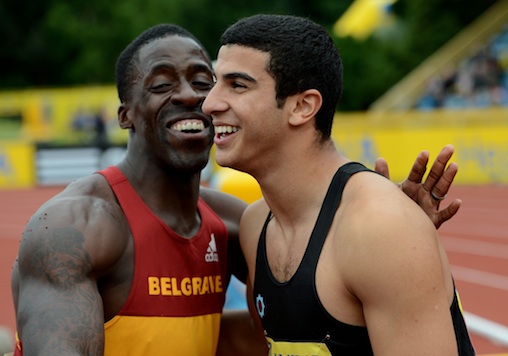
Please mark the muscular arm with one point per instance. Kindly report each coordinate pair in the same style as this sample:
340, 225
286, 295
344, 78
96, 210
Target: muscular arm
59, 308
396, 268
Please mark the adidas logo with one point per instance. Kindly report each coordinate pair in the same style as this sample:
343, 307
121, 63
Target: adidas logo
211, 252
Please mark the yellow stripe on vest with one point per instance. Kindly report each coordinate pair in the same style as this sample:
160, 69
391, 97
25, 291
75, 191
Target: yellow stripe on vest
140, 335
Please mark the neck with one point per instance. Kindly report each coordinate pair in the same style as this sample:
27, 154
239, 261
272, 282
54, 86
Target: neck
172, 197
297, 187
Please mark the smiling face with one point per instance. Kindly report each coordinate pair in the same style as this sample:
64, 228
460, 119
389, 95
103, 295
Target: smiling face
247, 121
164, 114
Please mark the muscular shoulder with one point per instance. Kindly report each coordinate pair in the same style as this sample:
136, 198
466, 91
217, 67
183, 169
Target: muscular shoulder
390, 264
81, 225
250, 228
255, 214
380, 226
371, 197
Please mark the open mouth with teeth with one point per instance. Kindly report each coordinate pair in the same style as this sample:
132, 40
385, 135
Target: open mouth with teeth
222, 131
189, 126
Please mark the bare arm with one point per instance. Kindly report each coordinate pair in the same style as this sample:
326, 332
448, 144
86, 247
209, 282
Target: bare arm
398, 271
59, 308
437, 184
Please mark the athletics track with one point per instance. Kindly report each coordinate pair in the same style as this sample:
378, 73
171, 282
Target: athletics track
476, 241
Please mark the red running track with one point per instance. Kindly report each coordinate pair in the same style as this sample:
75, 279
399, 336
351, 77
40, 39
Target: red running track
476, 240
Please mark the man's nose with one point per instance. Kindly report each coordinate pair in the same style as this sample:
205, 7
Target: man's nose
212, 104
187, 95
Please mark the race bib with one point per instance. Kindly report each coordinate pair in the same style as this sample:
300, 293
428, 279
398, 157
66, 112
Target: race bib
284, 348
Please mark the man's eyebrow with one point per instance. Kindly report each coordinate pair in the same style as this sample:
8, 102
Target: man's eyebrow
241, 75
160, 68
200, 67
197, 67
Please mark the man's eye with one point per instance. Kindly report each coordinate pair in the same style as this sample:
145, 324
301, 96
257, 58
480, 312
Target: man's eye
161, 87
238, 85
203, 85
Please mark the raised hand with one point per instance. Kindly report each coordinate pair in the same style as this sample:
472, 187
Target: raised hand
429, 194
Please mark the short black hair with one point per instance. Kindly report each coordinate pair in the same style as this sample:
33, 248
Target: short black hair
126, 63
302, 56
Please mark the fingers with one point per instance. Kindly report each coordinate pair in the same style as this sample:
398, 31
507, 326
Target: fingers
419, 168
446, 214
436, 181
442, 186
440, 179
381, 166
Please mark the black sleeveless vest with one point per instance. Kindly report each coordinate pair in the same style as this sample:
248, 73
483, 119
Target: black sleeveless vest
294, 320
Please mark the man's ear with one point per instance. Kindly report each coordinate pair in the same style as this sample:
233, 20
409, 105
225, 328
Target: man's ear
123, 117
305, 106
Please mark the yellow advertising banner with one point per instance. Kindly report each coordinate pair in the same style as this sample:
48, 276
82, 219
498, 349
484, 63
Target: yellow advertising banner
17, 165
480, 139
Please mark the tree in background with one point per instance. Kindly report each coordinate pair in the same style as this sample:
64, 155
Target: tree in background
70, 42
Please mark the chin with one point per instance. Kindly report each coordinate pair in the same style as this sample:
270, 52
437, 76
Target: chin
191, 164
223, 162
199, 165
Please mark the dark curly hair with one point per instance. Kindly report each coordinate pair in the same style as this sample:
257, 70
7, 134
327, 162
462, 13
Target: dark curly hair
302, 56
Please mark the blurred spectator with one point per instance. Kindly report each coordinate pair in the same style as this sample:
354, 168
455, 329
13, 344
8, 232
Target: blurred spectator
479, 81
91, 128
100, 129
